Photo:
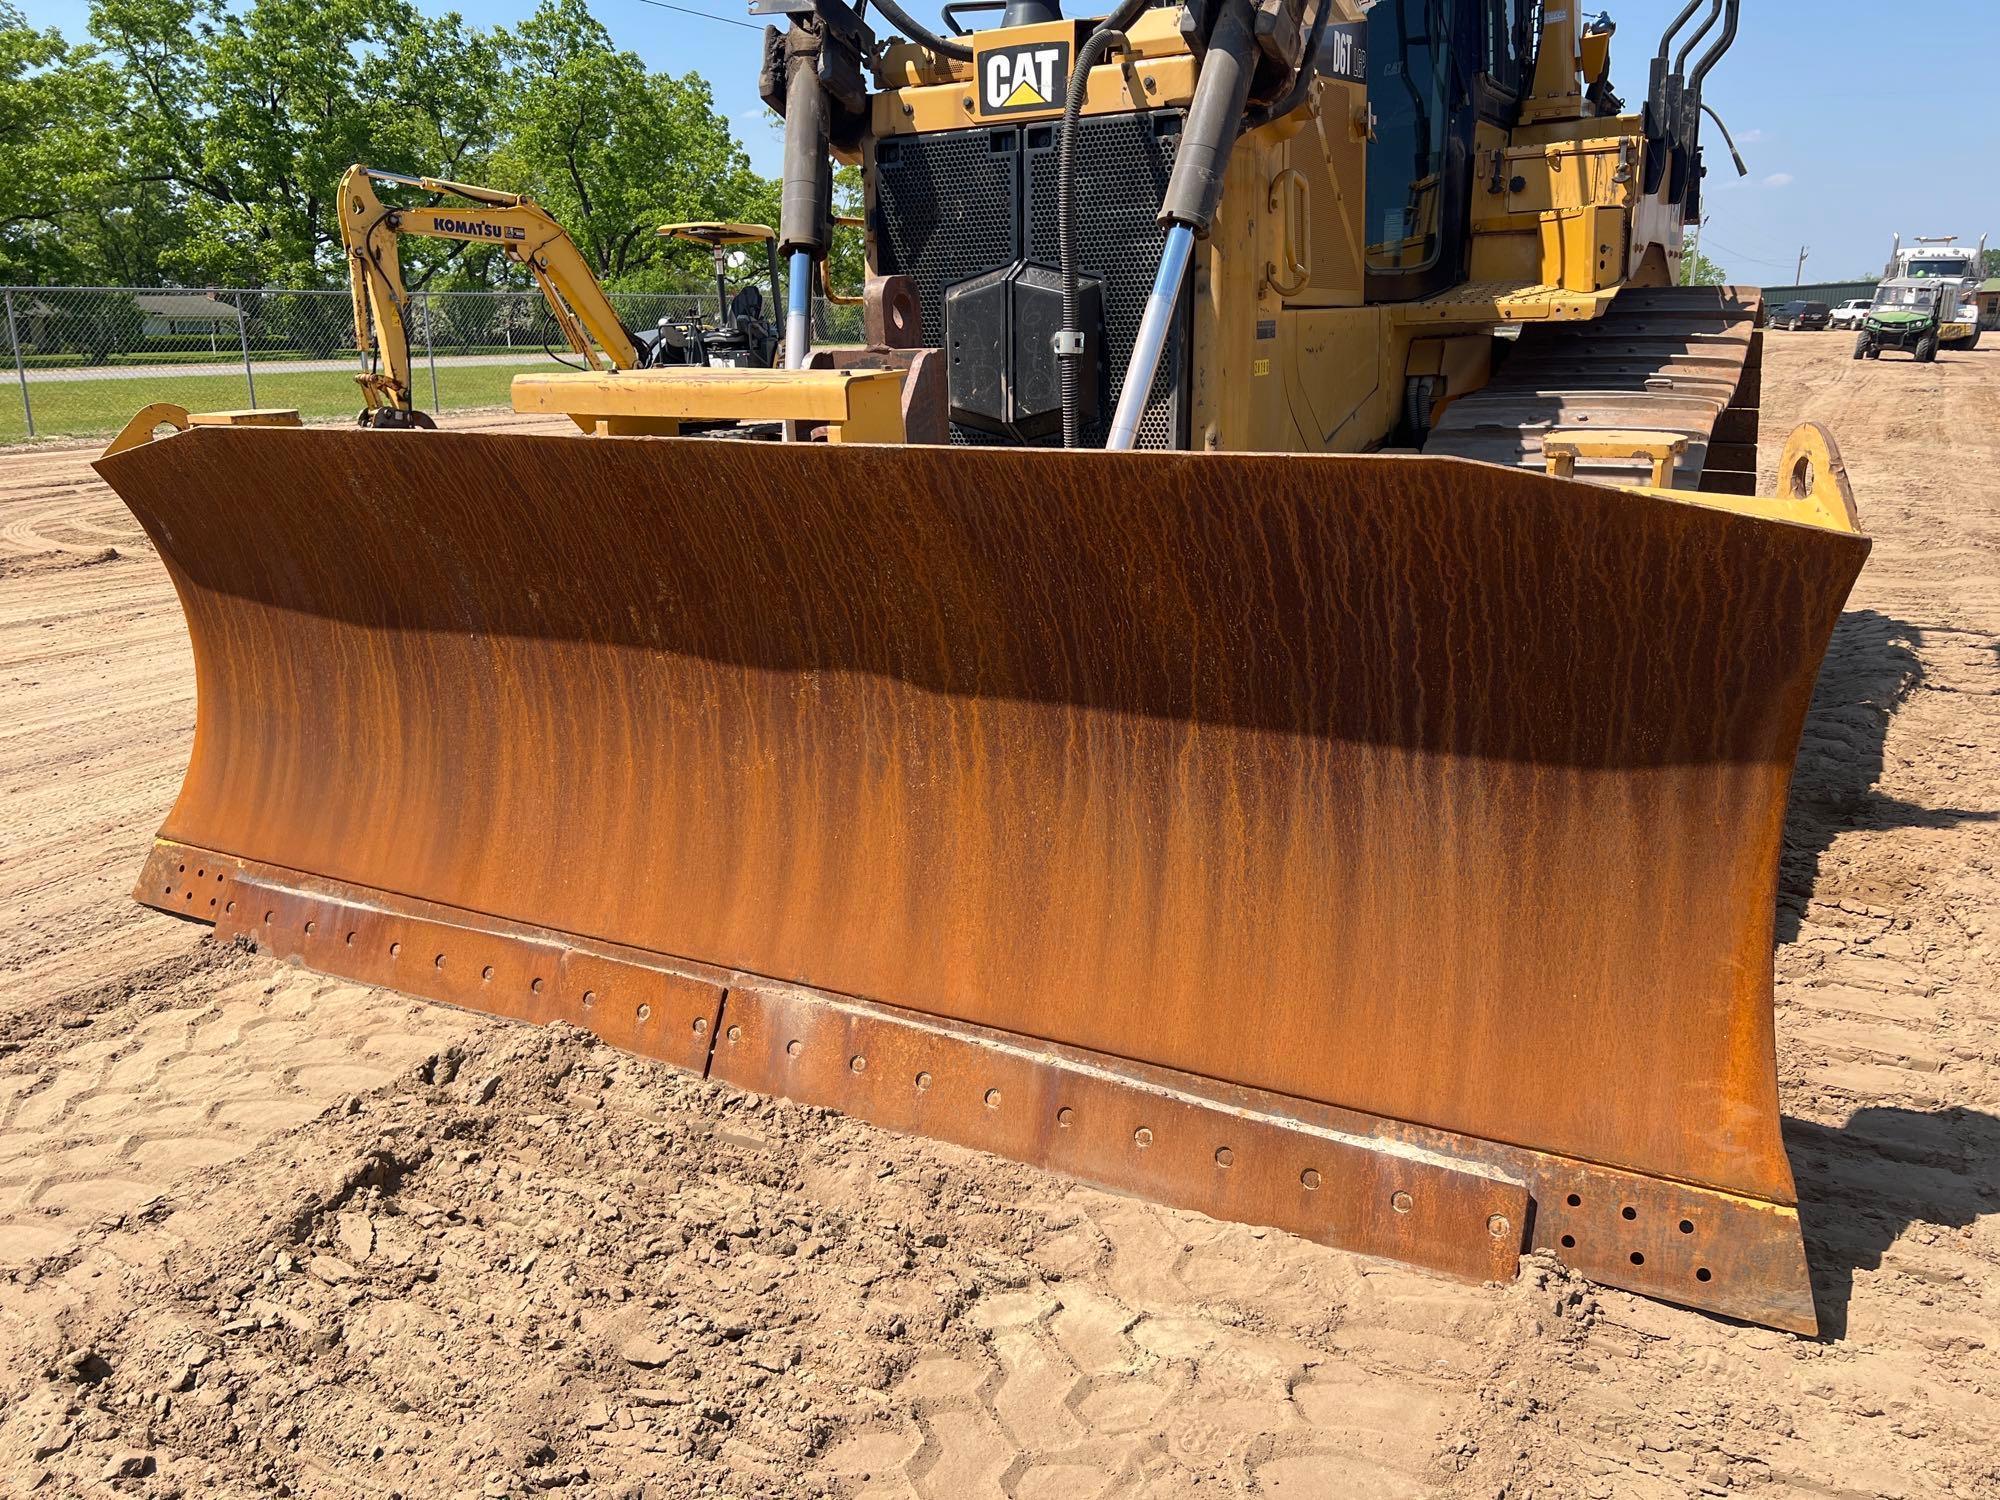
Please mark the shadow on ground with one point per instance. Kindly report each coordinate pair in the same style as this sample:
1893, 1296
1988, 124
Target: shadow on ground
1862, 1185
1873, 666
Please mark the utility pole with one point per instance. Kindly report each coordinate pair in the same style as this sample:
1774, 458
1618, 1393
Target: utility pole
1798, 274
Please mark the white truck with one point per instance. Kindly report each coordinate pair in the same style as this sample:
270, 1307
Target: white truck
1941, 258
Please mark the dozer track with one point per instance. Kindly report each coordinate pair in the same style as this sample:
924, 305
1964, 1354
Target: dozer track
1382, 848
1681, 361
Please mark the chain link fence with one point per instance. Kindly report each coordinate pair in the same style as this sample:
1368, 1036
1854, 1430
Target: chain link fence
86, 358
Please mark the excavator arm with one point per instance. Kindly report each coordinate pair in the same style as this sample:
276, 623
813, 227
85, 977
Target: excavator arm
371, 230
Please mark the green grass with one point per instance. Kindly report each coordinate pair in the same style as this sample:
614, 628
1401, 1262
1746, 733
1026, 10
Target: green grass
261, 355
95, 408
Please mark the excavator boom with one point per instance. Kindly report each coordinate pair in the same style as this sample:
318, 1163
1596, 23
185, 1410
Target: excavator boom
370, 231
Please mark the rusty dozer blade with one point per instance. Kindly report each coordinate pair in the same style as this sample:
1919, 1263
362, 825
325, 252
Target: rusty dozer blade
1382, 848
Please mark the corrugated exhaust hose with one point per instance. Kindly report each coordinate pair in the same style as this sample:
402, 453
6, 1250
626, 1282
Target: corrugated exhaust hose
1108, 33
1069, 343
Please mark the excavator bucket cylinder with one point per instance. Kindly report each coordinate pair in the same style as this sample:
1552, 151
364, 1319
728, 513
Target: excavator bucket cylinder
1381, 848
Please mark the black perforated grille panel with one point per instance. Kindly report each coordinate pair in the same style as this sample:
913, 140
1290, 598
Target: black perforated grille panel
961, 203
1122, 165
946, 208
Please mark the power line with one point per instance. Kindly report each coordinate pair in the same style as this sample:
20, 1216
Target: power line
706, 15
1755, 260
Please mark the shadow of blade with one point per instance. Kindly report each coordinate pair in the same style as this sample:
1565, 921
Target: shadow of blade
1872, 667
1863, 1185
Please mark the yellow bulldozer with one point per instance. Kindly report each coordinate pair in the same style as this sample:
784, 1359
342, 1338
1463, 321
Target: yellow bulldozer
1263, 683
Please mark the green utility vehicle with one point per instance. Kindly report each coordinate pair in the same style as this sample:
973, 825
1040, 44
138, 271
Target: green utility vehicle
1917, 314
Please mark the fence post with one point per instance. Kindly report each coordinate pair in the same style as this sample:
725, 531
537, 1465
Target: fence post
20, 369
430, 349
243, 338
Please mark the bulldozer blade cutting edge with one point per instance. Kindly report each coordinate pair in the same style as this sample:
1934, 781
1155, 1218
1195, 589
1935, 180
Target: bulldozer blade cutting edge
1381, 848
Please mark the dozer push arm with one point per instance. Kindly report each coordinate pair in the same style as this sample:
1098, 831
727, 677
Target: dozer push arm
370, 231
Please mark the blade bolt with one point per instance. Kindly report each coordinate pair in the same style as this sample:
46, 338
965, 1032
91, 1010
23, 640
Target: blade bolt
1064, 1117
923, 1082
487, 972
1497, 1226
1142, 1138
1224, 1157
1309, 1180
700, 1025
645, 1012
794, 1047
858, 1063
735, 1033
993, 1098
1402, 1202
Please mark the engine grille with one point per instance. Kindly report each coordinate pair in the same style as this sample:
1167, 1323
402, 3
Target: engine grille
957, 204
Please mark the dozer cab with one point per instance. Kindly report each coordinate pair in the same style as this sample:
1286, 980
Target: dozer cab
1183, 703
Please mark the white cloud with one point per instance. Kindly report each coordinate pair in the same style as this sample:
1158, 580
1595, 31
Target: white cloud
1750, 137
1778, 180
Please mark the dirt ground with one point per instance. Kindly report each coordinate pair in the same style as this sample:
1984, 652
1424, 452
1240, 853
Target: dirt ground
265, 1233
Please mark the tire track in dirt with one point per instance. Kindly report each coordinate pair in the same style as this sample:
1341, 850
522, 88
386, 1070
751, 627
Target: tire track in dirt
506, 1262
1888, 1014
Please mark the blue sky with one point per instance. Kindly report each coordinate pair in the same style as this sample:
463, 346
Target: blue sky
1856, 120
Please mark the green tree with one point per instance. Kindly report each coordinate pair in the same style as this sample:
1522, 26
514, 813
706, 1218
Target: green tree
54, 102
1697, 269
201, 140
613, 151
247, 117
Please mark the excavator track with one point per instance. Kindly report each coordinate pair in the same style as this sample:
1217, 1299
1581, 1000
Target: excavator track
1683, 361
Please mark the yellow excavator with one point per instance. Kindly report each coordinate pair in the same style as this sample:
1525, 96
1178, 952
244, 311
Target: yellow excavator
1263, 682
370, 231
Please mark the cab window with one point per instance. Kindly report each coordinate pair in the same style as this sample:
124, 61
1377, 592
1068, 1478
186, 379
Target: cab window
1507, 44
1409, 91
